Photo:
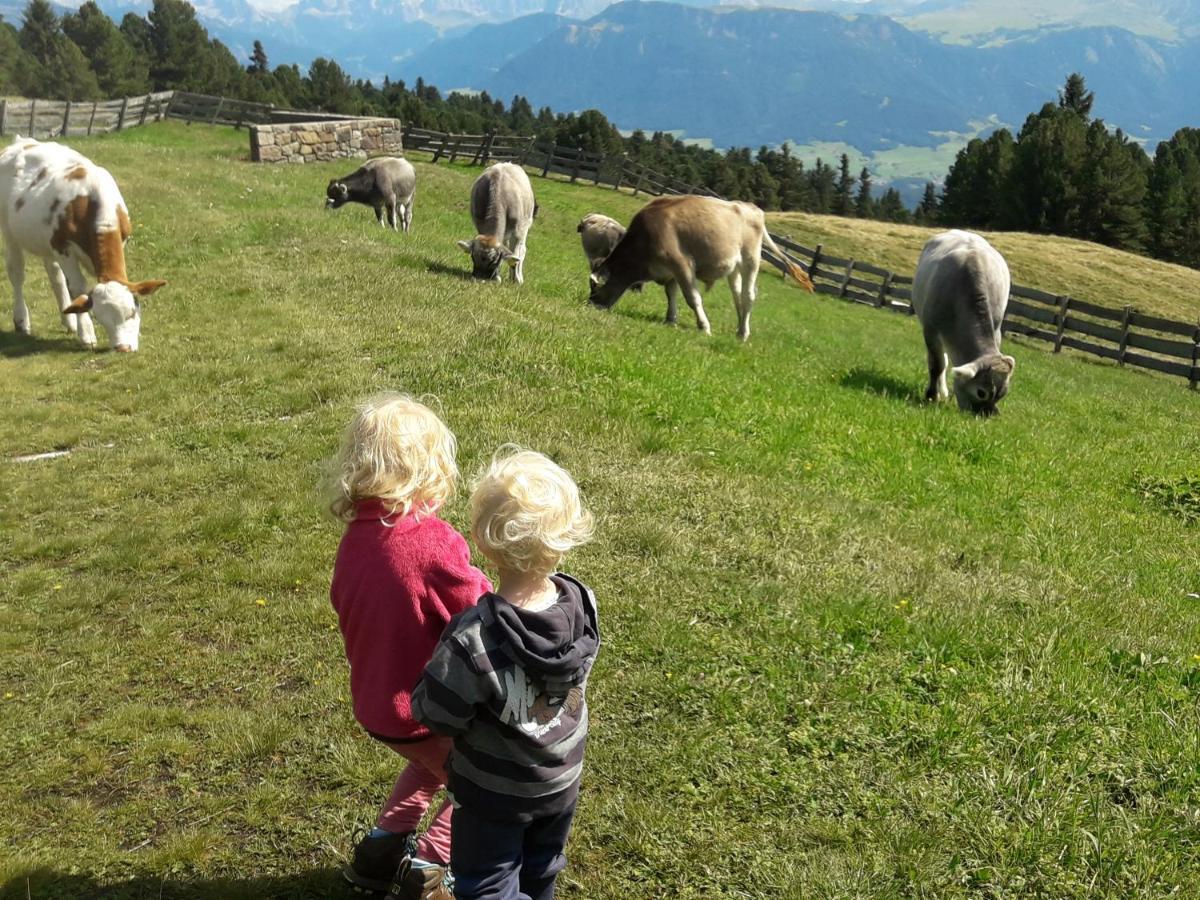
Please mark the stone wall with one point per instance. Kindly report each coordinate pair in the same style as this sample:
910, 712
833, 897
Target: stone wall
303, 142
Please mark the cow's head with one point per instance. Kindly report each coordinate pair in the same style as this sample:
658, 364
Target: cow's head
604, 291
337, 194
114, 304
487, 256
982, 383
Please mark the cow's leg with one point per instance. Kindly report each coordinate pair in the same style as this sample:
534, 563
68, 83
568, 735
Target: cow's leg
735, 289
379, 216
672, 290
691, 293
406, 216
937, 389
392, 219
77, 285
14, 261
58, 285
745, 303
518, 269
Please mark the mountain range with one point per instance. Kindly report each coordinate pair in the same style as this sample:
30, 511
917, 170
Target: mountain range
899, 85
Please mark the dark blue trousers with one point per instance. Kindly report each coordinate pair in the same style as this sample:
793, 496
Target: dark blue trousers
505, 860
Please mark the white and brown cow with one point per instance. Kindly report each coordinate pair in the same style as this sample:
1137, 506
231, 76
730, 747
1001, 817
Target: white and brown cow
58, 205
681, 242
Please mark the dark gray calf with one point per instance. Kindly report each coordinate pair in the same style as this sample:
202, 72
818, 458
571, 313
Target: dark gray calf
502, 208
960, 292
386, 183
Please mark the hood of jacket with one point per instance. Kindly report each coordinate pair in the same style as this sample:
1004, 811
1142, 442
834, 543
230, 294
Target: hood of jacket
559, 643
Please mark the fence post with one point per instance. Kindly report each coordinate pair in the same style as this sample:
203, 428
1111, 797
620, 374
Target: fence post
1064, 304
1128, 311
437, 154
92, 118
886, 286
121, 114
846, 279
216, 112
66, 125
1194, 378
620, 176
32, 117
3, 114
578, 163
638, 184
454, 149
549, 160
812, 268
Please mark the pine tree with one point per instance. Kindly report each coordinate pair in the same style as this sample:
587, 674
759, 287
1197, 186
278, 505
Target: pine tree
55, 67
842, 201
1113, 190
13, 59
864, 206
119, 71
328, 87
1173, 199
928, 210
1076, 97
179, 48
891, 207
258, 60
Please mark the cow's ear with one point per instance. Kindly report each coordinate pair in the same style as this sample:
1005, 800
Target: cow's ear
80, 304
505, 253
966, 371
595, 279
146, 288
511, 260
1012, 363
465, 245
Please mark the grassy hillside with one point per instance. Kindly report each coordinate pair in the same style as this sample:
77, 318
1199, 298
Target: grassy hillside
1059, 265
853, 646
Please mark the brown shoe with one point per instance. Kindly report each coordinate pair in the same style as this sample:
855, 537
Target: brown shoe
423, 881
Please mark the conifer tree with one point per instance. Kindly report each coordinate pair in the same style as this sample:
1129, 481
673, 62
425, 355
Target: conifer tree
258, 60
55, 67
120, 71
864, 206
928, 209
842, 200
1076, 97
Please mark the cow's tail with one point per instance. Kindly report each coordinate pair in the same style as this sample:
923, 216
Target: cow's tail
794, 270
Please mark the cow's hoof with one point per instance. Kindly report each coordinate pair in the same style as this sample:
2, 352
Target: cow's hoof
123, 348
88, 345
22, 328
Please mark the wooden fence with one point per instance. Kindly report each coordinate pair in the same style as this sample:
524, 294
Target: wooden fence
44, 119
58, 118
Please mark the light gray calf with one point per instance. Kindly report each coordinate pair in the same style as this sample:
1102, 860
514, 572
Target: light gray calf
960, 292
600, 235
387, 183
502, 208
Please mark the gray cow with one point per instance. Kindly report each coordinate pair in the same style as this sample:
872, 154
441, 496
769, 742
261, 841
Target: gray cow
387, 183
599, 235
960, 292
502, 208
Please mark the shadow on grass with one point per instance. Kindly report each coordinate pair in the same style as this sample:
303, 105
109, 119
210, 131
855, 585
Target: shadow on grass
440, 268
878, 383
42, 882
14, 345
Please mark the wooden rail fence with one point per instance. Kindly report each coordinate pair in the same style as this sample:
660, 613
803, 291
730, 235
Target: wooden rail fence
1124, 335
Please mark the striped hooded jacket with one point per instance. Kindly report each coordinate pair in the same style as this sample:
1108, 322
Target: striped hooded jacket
509, 686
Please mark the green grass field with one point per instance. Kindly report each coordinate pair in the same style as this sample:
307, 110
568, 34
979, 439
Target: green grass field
854, 646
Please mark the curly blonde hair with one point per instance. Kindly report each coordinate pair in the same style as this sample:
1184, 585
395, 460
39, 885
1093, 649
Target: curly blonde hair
526, 512
397, 450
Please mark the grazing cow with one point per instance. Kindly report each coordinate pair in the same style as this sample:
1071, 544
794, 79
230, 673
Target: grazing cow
58, 205
681, 241
600, 235
959, 293
502, 208
386, 183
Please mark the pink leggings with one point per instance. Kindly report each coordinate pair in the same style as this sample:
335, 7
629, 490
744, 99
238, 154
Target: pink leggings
423, 777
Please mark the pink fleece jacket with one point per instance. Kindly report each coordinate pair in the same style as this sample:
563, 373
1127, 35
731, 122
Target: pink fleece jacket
396, 583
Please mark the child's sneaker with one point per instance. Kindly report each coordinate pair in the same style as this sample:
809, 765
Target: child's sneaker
420, 880
377, 859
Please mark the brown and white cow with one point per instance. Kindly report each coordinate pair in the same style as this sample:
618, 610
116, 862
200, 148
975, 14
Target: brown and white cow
58, 205
681, 242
